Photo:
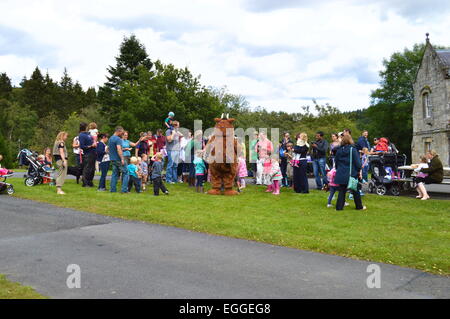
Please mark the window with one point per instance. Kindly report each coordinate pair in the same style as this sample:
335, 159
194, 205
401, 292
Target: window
427, 147
427, 105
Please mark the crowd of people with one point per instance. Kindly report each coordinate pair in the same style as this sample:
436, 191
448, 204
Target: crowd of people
340, 166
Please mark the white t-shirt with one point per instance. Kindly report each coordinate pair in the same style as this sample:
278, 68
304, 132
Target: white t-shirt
76, 150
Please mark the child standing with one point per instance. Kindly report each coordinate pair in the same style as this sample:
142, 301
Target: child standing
333, 188
133, 173
276, 176
168, 121
242, 172
200, 171
144, 171
157, 169
289, 155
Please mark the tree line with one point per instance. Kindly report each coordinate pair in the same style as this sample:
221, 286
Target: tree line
139, 93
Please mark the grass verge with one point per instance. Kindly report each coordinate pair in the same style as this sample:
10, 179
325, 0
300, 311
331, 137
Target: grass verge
12, 290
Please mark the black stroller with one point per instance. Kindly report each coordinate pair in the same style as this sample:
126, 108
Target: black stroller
4, 186
385, 176
36, 173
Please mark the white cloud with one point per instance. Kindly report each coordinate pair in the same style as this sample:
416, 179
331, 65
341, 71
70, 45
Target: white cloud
279, 56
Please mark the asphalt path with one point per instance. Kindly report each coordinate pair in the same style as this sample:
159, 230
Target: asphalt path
123, 259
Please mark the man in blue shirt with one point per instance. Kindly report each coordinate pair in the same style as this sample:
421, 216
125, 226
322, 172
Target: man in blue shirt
88, 146
117, 161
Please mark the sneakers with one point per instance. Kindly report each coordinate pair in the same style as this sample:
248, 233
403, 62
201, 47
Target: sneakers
329, 205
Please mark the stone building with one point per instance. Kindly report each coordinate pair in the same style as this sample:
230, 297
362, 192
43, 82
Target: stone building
431, 114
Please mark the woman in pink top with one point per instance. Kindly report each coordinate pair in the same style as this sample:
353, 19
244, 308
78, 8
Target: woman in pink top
263, 148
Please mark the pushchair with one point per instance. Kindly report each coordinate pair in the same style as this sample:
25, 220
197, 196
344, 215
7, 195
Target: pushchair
36, 173
385, 176
4, 186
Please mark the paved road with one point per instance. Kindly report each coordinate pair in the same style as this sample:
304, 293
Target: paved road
121, 259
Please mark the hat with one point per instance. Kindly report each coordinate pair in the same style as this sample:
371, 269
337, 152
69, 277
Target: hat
171, 114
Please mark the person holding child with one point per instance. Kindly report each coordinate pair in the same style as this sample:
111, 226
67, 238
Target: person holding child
300, 163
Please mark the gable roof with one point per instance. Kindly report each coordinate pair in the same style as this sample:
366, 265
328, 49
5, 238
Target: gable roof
444, 57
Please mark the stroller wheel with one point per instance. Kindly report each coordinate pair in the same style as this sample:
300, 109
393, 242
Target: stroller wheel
381, 190
29, 181
395, 190
10, 190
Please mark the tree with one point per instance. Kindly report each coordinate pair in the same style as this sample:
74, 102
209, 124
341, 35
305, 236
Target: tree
132, 57
5, 86
398, 75
5, 152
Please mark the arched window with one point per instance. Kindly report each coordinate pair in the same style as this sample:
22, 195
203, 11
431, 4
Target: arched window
427, 105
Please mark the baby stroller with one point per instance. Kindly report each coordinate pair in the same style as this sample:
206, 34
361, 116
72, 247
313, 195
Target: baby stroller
37, 173
4, 186
385, 176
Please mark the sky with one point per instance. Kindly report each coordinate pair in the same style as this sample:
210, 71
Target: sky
280, 55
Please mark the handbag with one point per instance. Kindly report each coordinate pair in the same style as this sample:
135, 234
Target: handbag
352, 182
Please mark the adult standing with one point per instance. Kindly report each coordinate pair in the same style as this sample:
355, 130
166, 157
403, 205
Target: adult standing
88, 146
194, 145
103, 160
348, 164
264, 148
283, 163
361, 144
60, 155
435, 173
160, 141
117, 161
253, 154
335, 143
319, 160
300, 178
173, 152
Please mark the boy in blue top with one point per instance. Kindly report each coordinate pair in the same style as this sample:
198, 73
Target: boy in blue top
200, 171
133, 173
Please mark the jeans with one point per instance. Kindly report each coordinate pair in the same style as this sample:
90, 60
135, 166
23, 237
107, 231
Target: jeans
333, 190
319, 165
134, 181
118, 168
365, 173
104, 167
172, 165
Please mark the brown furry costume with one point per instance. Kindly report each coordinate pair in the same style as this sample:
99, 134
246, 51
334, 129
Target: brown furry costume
222, 155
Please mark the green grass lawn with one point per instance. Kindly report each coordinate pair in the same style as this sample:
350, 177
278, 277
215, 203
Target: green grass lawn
395, 230
11, 290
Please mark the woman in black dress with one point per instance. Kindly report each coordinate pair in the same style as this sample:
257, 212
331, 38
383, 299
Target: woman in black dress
300, 164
